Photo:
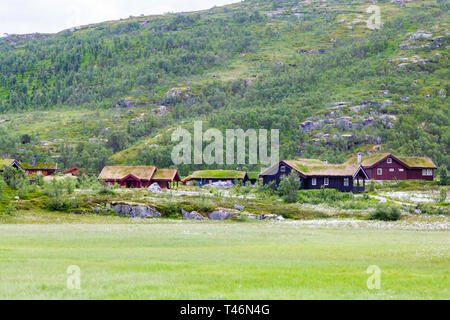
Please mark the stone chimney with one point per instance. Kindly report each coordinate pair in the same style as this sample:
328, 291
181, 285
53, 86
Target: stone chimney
33, 162
359, 157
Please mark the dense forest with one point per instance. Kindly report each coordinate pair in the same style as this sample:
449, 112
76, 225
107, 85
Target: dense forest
112, 92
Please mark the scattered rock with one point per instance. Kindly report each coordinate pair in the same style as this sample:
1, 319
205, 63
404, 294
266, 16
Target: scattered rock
221, 215
135, 211
239, 207
192, 215
155, 188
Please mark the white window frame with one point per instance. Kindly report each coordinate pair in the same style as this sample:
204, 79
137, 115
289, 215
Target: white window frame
326, 181
401, 169
346, 182
389, 160
391, 169
282, 169
427, 172
314, 181
379, 171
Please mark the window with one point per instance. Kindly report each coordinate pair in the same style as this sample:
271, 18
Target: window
401, 170
326, 181
314, 181
282, 169
391, 170
39, 172
389, 160
346, 182
427, 172
379, 171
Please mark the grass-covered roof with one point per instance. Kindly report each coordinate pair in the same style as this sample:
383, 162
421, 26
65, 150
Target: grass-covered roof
166, 174
314, 167
222, 174
120, 172
41, 165
5, 162
414, 162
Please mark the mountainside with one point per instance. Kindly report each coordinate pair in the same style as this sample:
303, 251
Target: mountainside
112, 92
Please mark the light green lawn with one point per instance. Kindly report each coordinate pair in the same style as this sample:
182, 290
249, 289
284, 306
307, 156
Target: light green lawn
214, 260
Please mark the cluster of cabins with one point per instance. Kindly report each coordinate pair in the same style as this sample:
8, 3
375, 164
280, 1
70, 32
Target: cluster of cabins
350, 176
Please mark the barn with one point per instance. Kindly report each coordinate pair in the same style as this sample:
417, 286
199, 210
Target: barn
315, 174
204, 177
386, 166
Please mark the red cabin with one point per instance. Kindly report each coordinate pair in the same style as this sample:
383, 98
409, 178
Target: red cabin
386, 166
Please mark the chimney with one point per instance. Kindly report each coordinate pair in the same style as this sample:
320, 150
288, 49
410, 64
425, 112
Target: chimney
358, 156
325, 161
33, 162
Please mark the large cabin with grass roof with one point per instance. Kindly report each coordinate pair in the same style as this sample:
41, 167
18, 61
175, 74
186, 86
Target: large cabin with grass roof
316, 174
203, 177
139, 176
386, 166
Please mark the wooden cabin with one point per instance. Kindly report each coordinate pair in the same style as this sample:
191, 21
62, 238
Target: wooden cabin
315, 174
138, 176
386, 166
44, 168
204, 177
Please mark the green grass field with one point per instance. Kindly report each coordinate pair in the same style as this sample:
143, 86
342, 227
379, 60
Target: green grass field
213, 260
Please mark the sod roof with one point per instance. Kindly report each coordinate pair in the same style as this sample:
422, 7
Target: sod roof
413, 162
314, 167
222, 174
5, 162
41, 165
166, 174
120, 172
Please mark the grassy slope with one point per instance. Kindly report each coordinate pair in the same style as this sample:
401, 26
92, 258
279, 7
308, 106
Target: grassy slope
73, 126
221, 261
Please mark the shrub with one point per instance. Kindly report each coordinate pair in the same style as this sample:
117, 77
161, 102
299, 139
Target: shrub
10, 210
442, 195
443, 175
385, 212
288, 188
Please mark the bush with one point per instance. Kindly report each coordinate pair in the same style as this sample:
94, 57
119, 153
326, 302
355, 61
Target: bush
442, 195
385, 212
288, 188
443, 175
10, 210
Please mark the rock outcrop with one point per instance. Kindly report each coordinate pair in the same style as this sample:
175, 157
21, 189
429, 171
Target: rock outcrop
135, 211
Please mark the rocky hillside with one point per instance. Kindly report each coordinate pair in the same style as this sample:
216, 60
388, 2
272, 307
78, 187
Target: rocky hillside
112, 92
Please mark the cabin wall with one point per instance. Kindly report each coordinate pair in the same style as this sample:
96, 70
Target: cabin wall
334, 183
389, 171
416, 174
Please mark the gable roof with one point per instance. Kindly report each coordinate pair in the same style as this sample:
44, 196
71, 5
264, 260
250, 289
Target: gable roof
315, 167
218, 174
166, 174
410, 162
40, 166
7, 162
120, 172
74, 169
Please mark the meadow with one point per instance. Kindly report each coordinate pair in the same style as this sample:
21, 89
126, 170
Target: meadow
175, 259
